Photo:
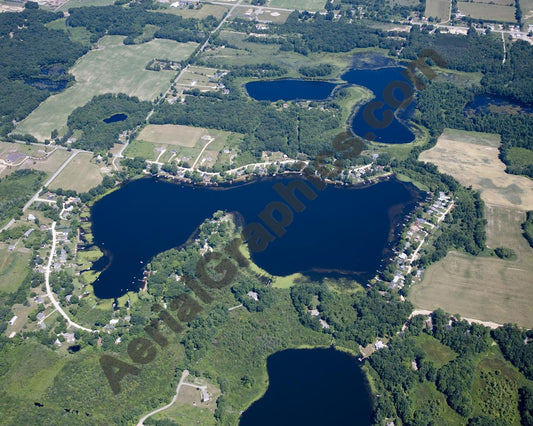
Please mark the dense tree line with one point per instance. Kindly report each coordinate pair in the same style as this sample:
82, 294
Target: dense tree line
15, 191
29, 51
514, 79
358, 317
512, 342
474, 52
98, 135
130, 22
527, 227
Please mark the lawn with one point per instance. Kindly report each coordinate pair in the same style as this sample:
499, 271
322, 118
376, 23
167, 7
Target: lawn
427, 398
492, 12
111, 68
438, 9
436, 352
50, 165
298, 4
81, 174
13, 269
186, 141
206, 10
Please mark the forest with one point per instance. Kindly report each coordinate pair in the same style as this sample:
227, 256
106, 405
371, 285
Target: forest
15, 190
99, 136
29, 51
527, 228
130, 22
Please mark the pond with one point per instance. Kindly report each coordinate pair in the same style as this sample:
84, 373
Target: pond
313, 387
343, 230
289, 90
115, 118
485, 104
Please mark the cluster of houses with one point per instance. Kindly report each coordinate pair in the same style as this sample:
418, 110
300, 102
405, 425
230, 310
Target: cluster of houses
419, 229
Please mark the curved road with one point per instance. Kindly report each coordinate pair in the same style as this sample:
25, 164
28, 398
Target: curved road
49, 290
180, 384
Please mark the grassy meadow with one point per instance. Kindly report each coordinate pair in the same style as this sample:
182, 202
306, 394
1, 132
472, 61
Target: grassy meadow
492, 12
81, 174
112, 67
438, 9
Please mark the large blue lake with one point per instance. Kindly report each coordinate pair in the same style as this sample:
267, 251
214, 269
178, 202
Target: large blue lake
344, 230
289, 90
312, 387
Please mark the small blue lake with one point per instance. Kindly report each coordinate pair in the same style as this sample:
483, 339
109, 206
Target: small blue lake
115, 118
486, 104
312, 387
290, 90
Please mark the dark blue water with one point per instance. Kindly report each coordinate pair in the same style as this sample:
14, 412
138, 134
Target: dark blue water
289, 90
486, 104
115, 118
343, 229
47, 84
312, 387
377, 80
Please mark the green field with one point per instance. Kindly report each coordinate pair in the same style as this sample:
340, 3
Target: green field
492, 12
186, 141
298, 4
438, 9
206, 10
81, 174
13, 269
84, 3
436, 352
111, 68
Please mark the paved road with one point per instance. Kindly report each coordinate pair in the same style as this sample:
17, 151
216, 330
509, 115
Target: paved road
489, 324
49, 290
180, 384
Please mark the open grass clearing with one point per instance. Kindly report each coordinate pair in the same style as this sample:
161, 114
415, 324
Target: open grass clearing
111, 68
263, 14
84, 3
438, 9
527, 11
428, 399
436, 352
185, 142
491, 12
218, 11
298, 4
50, 164
81, 174
13, 269
472, 158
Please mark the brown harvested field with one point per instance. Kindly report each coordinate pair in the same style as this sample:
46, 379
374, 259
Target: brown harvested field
484, 288
438, 9
81, 174
472, 158
170, 134
492, 12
